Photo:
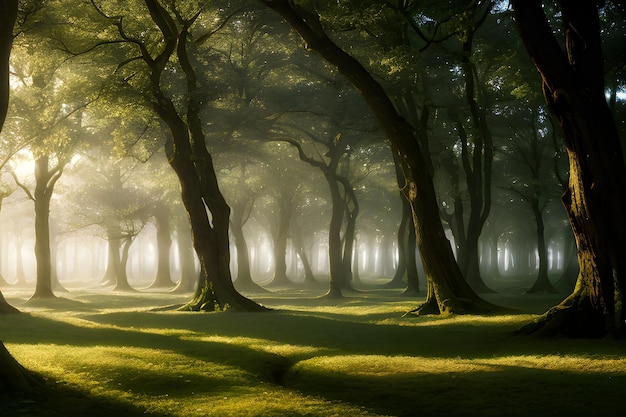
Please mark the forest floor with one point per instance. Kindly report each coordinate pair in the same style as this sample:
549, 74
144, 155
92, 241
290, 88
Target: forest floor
122, 354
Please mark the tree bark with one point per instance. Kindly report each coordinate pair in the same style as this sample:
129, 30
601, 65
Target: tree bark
573, 86
45, 179
452, 293
189, 158
163, 277
542, 283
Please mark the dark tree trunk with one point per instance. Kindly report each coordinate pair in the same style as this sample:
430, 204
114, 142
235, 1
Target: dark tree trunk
452, 293
189, 158
280, 235
542, 284
163, 277
335, 255
13, 377
573, 85
351, 205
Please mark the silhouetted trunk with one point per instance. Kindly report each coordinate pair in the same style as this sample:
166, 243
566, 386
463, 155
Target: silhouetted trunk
351, 205
163, 277
573, 85
451, 292
335, 255
45, 179
542, 284
279, 238
13, 376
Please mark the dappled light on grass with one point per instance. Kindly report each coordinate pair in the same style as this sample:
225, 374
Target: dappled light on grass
356, 357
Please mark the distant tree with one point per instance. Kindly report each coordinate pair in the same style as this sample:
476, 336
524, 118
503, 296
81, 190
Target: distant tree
535, 186
570, 62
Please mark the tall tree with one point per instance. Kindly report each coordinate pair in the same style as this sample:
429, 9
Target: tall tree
448, 291
570, 62
179, 34
13, 377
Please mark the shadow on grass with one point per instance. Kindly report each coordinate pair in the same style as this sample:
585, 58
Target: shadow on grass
60, 400
502, 390
245, 341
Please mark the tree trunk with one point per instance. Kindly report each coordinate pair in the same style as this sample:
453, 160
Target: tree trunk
121, 275
113, 260
189, 158
335, 255
309, 277
163, 277
573, 85
239, 217
44, 186
452, 293
280, 244
542, 284
188, 273
13, 376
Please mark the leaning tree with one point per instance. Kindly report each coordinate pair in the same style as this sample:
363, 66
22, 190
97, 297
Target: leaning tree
448, 292
570, 62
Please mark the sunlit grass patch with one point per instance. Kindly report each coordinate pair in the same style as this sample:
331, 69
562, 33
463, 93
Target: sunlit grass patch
357, 357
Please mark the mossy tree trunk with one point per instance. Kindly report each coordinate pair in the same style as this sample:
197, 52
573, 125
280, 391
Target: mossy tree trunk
573, 86
450, 292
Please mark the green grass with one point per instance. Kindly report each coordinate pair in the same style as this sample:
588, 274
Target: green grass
116, 355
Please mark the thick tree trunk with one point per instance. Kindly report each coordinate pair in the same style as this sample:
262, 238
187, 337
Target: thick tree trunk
453, 294
121, 276
573, 86
13, 376
189, 158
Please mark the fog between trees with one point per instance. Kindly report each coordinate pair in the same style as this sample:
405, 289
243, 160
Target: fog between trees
118, 107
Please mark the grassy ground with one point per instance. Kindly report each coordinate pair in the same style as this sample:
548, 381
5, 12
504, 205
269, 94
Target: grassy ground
120, 354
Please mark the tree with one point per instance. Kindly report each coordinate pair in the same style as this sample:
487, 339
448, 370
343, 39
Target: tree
13, 377
8, 16
571, 67
161, 72
448, 291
